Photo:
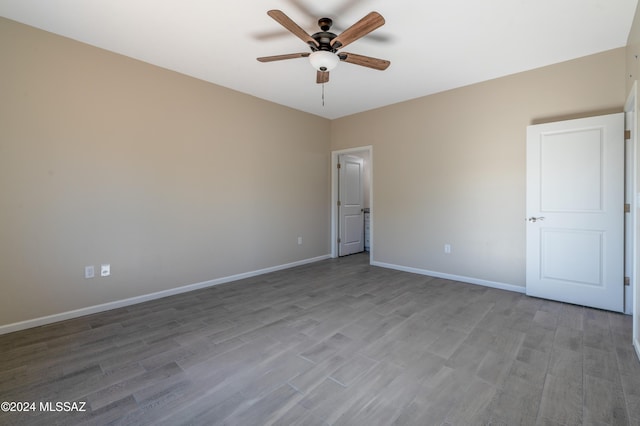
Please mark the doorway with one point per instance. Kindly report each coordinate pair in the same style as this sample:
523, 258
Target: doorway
366, 154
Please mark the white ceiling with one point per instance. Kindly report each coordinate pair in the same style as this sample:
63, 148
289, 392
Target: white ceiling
433, 45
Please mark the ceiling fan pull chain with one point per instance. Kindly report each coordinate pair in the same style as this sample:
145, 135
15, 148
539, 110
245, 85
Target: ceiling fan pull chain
322, 94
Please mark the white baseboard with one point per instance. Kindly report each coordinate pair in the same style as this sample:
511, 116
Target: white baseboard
36, 322
468, 280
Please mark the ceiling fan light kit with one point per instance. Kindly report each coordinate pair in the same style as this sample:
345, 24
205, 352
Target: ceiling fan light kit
324, 44
323, 60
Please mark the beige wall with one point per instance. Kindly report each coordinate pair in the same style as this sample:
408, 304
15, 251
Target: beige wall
171, 180
450, 168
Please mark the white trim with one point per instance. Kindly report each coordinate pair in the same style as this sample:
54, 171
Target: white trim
36, 322
334, 195
468, 280
632, 106
630, 192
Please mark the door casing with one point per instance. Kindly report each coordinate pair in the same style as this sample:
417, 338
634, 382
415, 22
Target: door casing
633, 199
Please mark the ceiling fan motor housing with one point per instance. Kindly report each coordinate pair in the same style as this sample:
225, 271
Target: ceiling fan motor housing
323, 38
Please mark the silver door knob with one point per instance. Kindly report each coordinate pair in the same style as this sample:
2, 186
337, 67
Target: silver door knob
535, 219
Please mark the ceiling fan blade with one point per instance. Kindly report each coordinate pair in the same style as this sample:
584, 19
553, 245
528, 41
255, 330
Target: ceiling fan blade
286, 22
365, 61
282, 57
361, 28
322, 77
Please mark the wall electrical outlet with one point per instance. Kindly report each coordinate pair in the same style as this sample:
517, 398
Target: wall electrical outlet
105, 270
299, 241
447, 248
89, 271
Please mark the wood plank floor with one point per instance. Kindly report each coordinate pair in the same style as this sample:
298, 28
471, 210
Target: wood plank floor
337, 342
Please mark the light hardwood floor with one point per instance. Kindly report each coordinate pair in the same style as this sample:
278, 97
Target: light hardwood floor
334, 342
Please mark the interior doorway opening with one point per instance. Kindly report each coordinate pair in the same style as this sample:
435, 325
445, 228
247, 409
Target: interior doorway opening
366, 154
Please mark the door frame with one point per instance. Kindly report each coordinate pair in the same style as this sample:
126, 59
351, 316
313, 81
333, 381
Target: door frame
631, 181
334, 195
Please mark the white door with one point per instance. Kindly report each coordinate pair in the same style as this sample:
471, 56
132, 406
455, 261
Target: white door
350, 208
575, 211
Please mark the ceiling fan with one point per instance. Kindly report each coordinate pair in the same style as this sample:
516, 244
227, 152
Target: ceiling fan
324, 45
